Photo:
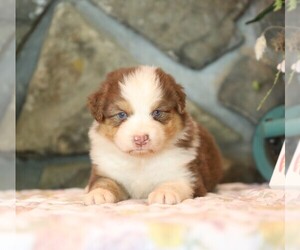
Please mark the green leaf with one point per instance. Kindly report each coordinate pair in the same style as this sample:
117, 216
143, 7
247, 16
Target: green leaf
278, 5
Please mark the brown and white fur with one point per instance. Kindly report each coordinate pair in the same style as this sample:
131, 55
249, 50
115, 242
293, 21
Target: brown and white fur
157, 151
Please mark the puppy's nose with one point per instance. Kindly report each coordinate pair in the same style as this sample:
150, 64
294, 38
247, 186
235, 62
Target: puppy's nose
141, 140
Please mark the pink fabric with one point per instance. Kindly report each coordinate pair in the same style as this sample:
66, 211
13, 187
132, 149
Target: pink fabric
238, 216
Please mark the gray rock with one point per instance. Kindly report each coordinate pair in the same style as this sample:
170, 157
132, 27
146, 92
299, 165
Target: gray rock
223, 134
7, 10
65, 175
22, 30
28, 54
7, 65
246, 86
7, 52
27, 13
8, 171
74, 59
192, 32
6, 34
244, 172
7, 129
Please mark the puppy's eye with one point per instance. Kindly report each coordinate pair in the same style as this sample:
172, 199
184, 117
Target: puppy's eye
122, 115
156, 114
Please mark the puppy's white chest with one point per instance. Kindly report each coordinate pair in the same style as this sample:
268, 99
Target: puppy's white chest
140, 176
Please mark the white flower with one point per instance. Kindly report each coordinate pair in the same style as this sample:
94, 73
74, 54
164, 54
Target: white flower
281, 66
296, 66
260, 47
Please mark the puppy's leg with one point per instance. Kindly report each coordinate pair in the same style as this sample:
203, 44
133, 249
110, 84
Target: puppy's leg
103, 190
171, 193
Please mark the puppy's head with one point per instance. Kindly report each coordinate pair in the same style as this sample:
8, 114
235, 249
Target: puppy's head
139, 109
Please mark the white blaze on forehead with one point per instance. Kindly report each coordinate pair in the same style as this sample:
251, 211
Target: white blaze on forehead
141, 89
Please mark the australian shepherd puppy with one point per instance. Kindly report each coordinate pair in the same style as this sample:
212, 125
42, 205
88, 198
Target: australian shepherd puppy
144, 144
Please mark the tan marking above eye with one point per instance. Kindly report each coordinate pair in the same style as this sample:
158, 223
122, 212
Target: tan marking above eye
124, 106
163, 106
117, 107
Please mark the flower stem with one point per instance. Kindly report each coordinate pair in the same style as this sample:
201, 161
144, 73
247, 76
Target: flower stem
269, 91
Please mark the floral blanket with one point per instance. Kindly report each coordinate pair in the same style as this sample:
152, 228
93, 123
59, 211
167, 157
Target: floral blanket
237, 216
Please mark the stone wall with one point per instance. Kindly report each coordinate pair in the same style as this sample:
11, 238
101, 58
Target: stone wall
65, 49
7, 114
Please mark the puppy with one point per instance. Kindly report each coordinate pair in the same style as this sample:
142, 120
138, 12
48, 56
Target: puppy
144, 144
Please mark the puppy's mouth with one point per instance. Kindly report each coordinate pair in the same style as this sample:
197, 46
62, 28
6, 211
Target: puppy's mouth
140, 151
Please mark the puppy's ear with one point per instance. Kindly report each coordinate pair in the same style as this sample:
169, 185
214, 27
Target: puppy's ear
173, 89
96, 105
181, 96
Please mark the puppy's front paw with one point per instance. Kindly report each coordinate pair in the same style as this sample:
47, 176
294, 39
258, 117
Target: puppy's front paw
164, 196
99, 196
